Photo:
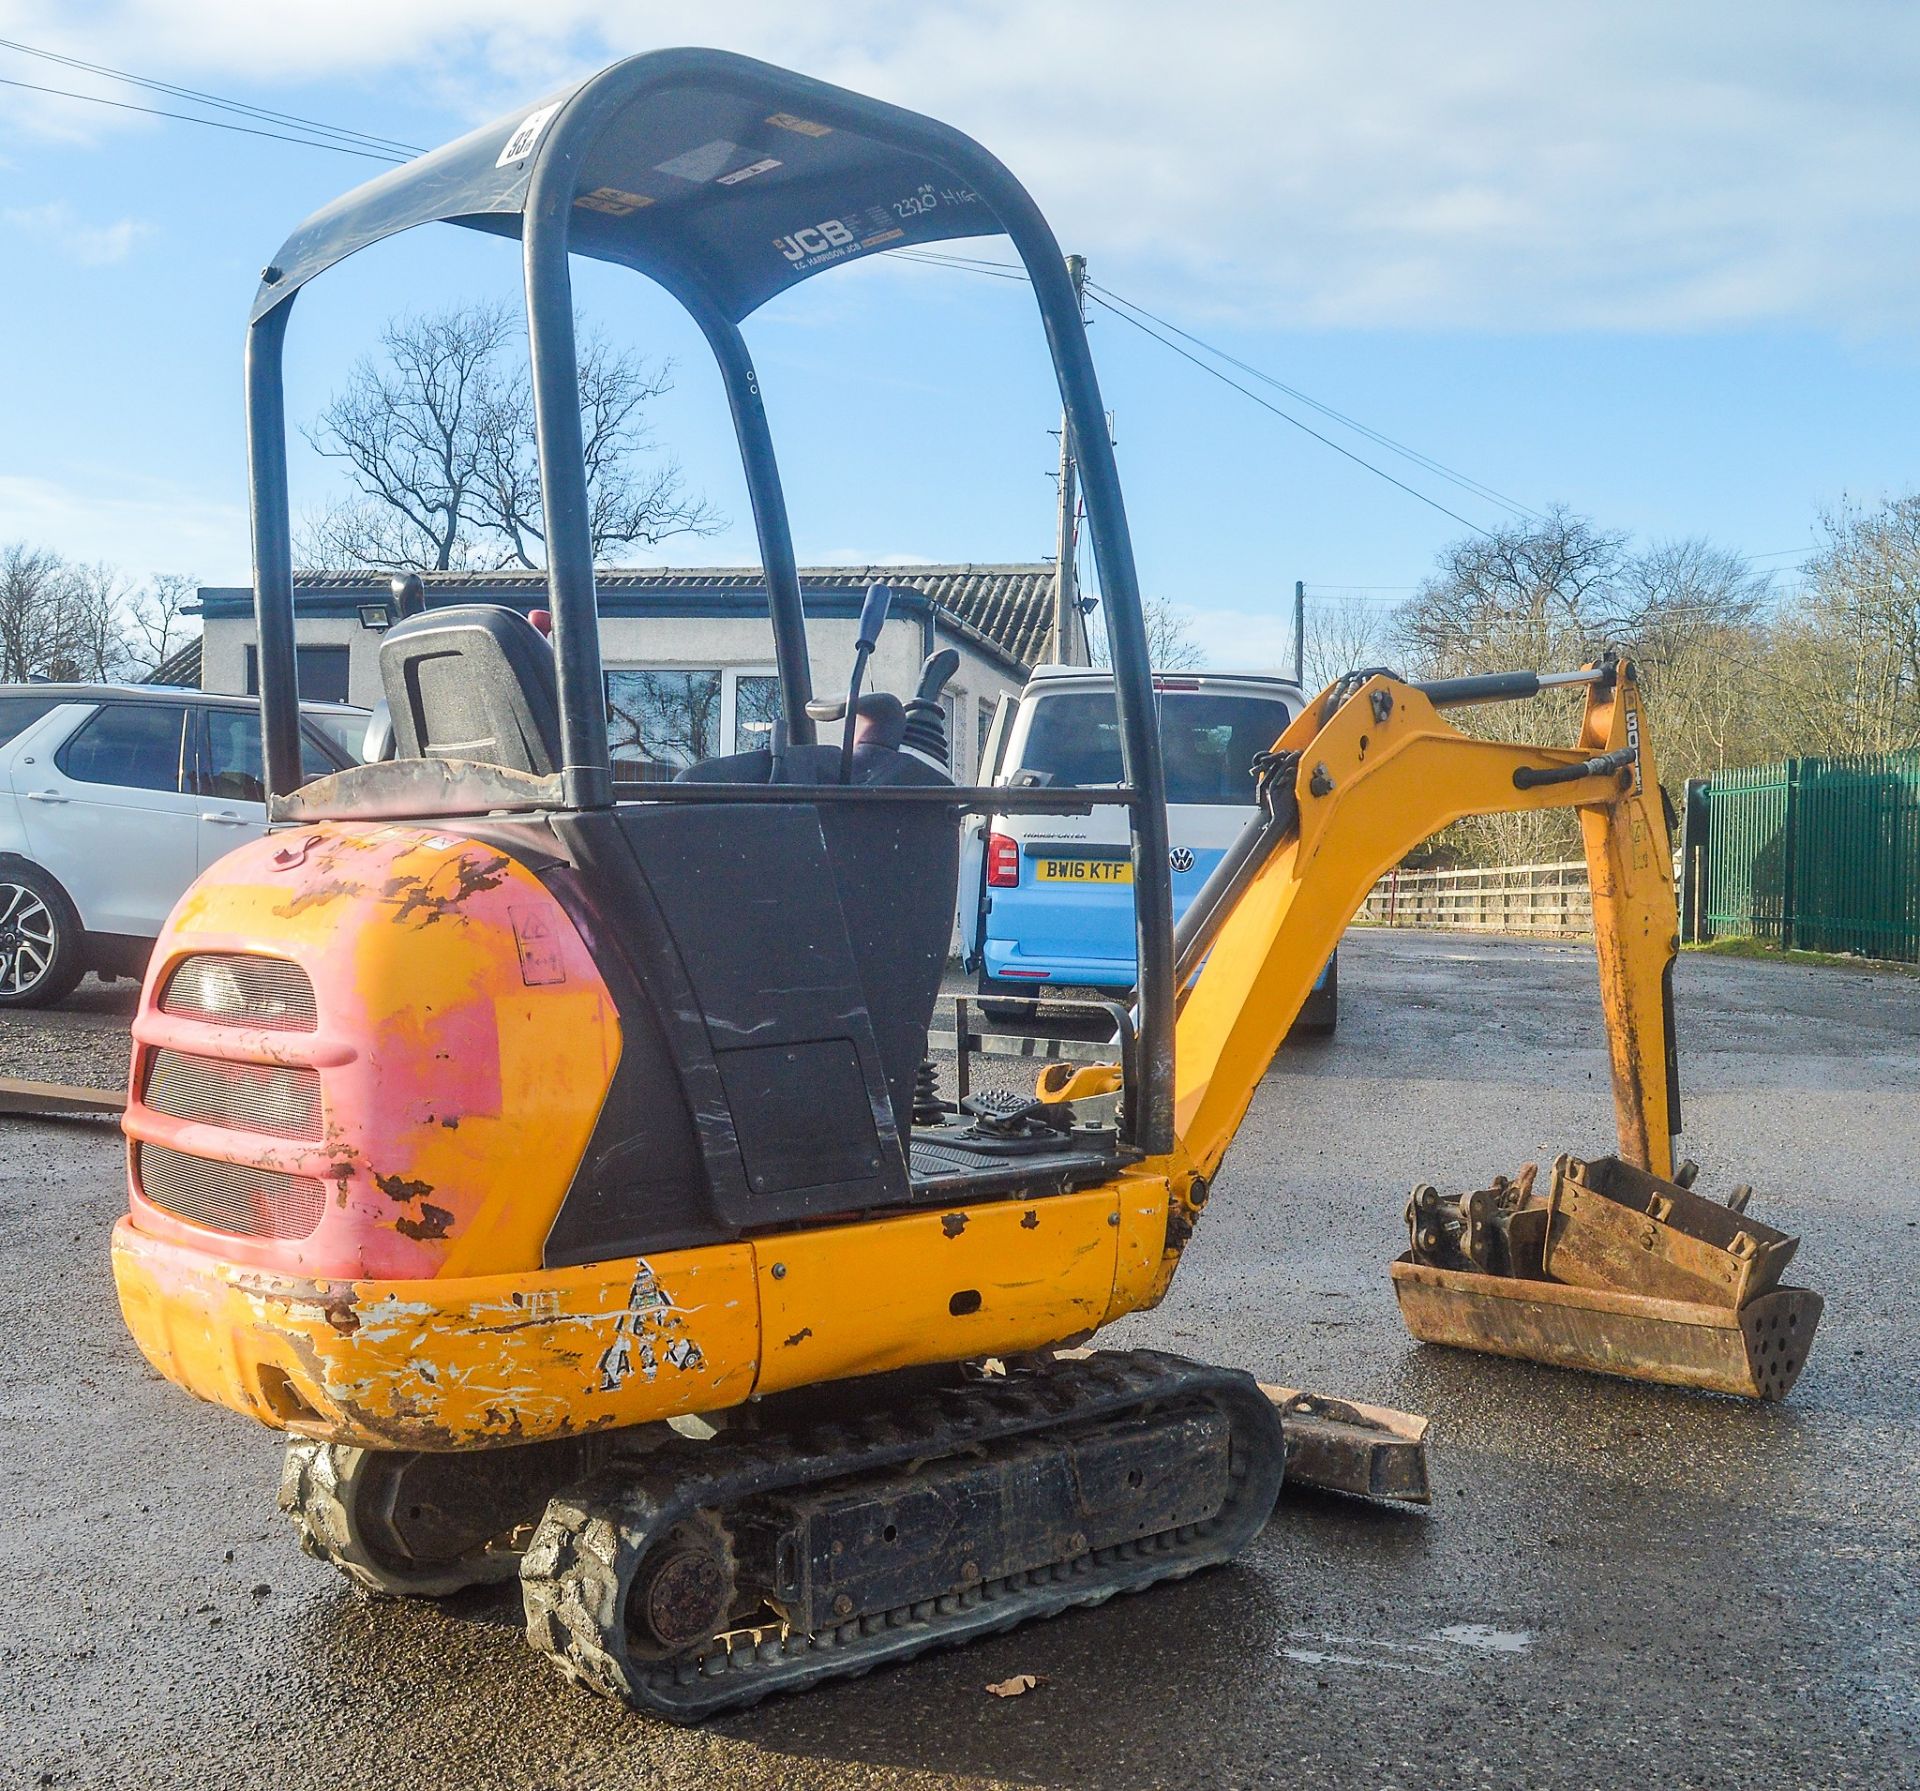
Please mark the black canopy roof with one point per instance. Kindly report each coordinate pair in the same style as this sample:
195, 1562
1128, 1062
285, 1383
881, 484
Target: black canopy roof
726, 179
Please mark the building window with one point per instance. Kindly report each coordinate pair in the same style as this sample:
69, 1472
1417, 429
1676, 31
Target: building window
660, 722
983, 726
756, 706
322, 672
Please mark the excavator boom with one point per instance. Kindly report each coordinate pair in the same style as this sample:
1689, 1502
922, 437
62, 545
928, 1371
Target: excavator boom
1362, 776
1616, 1266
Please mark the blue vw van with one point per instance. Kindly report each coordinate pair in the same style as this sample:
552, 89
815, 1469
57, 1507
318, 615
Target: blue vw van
1051, 899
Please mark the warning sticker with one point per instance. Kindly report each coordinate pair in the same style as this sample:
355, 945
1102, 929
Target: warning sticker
520, 144
804, 126
612, 201
749, 171
539, 942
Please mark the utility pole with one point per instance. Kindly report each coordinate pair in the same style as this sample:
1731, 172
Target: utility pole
1069, 623
1300, 632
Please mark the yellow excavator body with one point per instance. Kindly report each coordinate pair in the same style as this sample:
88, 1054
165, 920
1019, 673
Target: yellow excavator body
554, 1154
459, 1096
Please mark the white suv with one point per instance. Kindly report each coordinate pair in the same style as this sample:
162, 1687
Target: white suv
113, 798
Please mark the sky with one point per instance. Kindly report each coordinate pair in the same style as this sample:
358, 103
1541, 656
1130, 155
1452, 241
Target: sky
1653, 262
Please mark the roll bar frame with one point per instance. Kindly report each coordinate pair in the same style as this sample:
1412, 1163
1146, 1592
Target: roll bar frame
547, 217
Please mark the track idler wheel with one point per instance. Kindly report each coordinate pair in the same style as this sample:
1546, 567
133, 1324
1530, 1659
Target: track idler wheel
613, 1603
683, 1590
407, 1524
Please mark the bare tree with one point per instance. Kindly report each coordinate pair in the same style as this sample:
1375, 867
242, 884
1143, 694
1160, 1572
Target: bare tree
1344, 636
1855, 640
1520, 597
1171, 646
36, 629
1528, 596
438, 439
84, 623
1554, 594
96, 624
157, 616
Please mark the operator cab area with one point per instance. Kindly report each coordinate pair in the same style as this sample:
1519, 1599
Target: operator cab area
773, 926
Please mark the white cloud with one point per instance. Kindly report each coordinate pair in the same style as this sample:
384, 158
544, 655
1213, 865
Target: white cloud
143, 525
92, 245
1492, 164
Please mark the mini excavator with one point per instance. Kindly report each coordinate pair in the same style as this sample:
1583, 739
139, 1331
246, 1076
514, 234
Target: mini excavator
539, 1149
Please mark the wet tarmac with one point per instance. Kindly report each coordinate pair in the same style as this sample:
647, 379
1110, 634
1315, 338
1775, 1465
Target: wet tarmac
1617, 1585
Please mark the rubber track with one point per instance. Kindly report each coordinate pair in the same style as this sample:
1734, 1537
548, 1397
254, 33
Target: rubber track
322, 1489
574, 1577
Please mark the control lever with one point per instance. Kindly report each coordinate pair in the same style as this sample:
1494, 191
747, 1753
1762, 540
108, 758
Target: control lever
873, 618
926, 719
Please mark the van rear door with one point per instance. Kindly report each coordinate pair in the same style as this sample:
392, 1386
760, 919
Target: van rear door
1061, 907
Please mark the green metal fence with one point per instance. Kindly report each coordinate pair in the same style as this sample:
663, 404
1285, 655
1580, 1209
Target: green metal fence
1817, 854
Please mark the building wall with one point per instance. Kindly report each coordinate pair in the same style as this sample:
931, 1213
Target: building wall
727, 645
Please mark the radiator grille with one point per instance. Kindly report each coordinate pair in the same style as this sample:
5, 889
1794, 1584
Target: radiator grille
240, 989
254, 1097
230, 1197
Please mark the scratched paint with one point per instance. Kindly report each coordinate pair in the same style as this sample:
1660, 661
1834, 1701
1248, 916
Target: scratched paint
448, 1363
458, 1094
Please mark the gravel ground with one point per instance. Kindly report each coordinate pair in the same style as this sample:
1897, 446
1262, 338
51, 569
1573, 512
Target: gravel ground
82, 1041
1618, 1585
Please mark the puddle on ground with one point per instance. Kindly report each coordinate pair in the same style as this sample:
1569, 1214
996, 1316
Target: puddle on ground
1436, 1654
1485, 1638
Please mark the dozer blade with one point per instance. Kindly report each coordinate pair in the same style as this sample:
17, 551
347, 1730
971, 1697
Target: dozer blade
696, 1578
1612, 1270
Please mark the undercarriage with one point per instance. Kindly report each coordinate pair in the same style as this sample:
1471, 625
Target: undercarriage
687, 1577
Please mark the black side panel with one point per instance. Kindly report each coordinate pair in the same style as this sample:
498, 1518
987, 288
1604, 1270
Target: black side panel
898, 872
778, 1094
897, 869
750, 900
642, 1184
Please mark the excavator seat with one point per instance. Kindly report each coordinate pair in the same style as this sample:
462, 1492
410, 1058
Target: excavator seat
473, 682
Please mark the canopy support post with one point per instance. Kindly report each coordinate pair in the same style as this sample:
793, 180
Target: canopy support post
784, 605
272, 551
1066, 330
586, 766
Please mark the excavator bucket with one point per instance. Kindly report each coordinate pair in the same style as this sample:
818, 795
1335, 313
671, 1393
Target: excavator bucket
1611, 1270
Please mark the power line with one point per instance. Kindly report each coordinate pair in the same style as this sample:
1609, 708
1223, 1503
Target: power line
998, 270
210, 99
1287, 416
216, 124
1103, 297
1326, 410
